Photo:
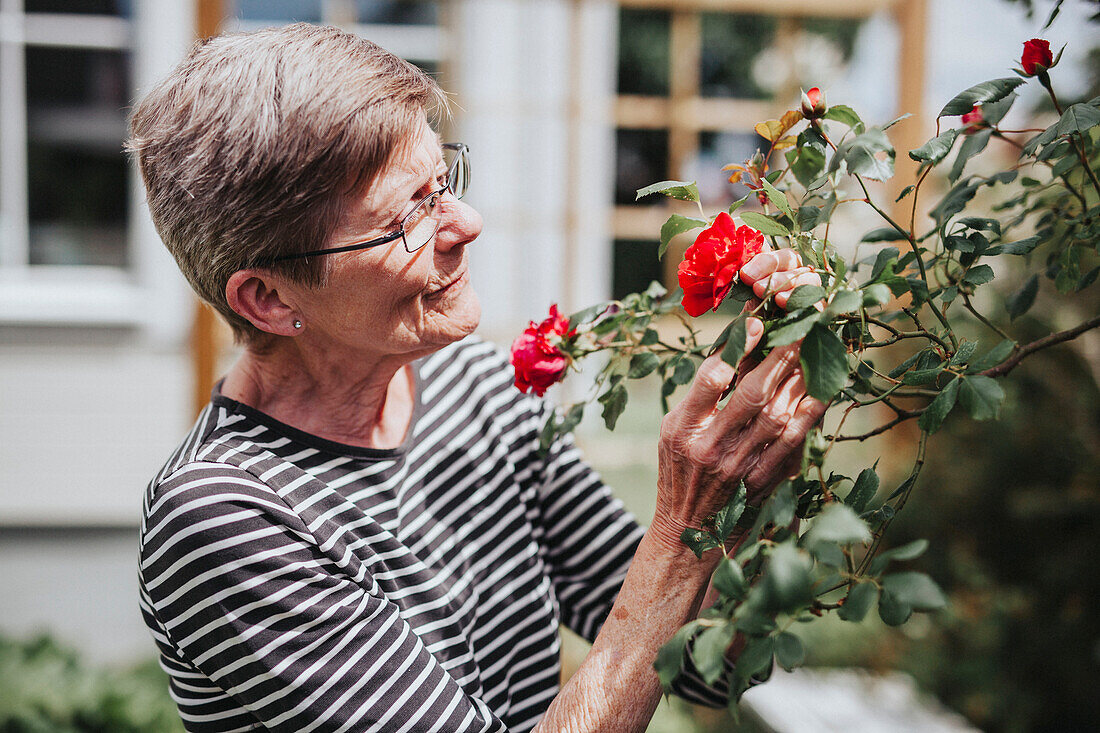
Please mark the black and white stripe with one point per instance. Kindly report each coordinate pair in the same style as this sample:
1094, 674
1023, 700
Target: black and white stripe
296, 584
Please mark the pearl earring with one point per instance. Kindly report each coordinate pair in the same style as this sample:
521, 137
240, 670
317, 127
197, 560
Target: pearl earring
297, 324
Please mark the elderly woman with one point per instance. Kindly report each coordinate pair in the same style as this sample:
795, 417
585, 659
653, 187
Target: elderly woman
360, 533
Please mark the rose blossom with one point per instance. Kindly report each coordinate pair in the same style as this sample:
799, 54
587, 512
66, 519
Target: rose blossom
711, 264
974, 120
1036, 56
538, 361
813, 103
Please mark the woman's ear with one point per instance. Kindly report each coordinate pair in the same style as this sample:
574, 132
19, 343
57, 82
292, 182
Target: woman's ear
255, 296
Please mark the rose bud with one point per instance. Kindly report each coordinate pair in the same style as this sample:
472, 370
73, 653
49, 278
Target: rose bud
1037, 57
974, 120
539, 362
813, 103
711, 264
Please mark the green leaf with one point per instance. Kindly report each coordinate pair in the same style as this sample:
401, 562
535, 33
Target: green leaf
824, 361
729, 580
804, 296
699, 540
1020, 302
865, 488
764, 224
876, 294
922, 376
987, 91
992, 358
885, 234
886, 257
862, 155
782, 505
1077, 118
786, 581
858, 602
670, 657
933, 416
806, 163
892, 610
809, 217
829, 553
725, 521
614, 402
981, 396
737, 205
789, 651
683, 370
904, 192
916, 590
936, 149
971, 146
846, 116
756, 656
962, 356
778, 198
908, 551
572, 417
794, 329
844, 301
836, 523
683, 190
708, 651
677, 224
978, 275
736, 338
642, 364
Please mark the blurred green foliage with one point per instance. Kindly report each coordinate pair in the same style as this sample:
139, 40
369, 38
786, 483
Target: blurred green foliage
46, 688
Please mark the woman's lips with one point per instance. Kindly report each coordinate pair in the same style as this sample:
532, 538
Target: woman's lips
456, 281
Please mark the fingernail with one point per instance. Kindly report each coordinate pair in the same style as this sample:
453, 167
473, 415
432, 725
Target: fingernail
753, 270
754, 327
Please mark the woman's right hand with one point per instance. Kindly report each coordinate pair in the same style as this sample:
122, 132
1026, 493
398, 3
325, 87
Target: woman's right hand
704, 451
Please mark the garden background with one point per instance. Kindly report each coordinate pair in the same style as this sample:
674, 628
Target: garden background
569, 106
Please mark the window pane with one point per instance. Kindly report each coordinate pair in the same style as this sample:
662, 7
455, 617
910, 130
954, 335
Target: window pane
85, 7
717, 149
641, 158
635, 266
643, 52
731, 44
403, 12
76, 171
287, 11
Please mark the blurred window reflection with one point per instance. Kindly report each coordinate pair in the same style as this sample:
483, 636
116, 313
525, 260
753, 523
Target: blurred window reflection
641, 159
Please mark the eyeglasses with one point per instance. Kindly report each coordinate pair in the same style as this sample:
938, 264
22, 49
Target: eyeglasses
421, 224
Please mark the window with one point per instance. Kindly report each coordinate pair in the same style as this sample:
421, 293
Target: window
694, 78
74, 246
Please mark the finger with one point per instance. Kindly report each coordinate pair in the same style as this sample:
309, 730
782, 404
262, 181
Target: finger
767, 426
783, 456
714, 376
779, 281
766, 263
756, 389
809, 278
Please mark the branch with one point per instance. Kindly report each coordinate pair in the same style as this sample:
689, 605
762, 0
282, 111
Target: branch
1047, 341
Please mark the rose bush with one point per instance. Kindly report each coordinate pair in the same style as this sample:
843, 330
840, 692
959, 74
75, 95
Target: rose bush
907, 329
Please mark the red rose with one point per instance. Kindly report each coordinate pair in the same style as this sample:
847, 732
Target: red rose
813, 103
974, 120
711, 264
538, 361
1036, 56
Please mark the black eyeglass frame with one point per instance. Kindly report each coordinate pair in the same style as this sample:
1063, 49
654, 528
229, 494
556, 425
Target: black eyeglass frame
459, 166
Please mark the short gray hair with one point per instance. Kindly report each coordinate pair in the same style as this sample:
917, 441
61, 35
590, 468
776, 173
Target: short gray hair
251, 148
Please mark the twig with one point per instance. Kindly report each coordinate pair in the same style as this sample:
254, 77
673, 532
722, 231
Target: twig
1038, 345
970, 307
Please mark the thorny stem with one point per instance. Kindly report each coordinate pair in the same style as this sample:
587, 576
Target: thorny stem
912, 481
905, 415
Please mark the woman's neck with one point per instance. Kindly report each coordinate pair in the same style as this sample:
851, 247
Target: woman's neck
357, 402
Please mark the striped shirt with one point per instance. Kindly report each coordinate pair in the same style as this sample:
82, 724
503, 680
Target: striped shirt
296, 584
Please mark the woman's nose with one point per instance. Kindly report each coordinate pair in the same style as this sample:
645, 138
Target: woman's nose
461, 224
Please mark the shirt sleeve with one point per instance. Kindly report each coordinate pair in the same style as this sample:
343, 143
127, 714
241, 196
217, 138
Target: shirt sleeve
591, 540
241, 589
